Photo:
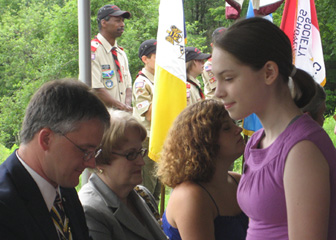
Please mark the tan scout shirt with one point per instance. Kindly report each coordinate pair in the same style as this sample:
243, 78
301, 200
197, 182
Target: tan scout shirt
104, 70
143, 90
193, 94
209, 80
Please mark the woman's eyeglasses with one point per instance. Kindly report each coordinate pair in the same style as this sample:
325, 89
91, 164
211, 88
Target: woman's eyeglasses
134, 154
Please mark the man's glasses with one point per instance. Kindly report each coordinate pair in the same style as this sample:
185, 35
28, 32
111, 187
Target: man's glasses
134, 154
87, 155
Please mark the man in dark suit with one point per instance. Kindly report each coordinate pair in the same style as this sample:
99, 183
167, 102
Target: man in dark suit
60, 137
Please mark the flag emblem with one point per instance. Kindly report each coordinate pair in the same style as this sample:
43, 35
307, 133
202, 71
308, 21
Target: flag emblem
174, 35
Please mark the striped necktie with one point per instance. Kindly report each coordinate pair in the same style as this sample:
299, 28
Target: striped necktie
115, 57
60, 220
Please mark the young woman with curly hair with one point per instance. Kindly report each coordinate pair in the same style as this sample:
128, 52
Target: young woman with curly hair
198, 152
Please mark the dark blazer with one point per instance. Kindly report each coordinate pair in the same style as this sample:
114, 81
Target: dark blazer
109, 219
23, 212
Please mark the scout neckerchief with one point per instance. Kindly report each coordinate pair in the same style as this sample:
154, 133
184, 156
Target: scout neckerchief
199, 89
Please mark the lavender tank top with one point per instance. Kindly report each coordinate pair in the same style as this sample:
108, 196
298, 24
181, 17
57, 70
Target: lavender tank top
261, 190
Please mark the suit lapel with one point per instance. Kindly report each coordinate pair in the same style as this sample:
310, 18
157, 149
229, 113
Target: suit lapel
149, 219
121, 212
43, 219
30, 193
129, 221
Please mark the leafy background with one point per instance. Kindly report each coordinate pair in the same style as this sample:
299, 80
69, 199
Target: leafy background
39, 42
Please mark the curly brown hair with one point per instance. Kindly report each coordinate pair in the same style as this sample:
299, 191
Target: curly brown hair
191, 146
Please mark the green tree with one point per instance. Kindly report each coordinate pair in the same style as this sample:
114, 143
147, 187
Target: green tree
202, 17
39, 42
327, 21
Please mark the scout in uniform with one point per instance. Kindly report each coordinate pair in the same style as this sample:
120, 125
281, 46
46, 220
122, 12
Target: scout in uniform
194, 65
110, 73
209, 80
142, 101
208, 77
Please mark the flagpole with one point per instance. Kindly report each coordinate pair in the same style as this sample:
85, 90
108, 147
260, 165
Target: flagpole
162, 199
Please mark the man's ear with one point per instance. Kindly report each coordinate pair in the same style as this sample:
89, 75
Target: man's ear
144, 59
45, 136
271, 72
103, 23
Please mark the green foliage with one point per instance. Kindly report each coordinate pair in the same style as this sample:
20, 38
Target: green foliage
326, 16
37, 45
195, 38
5, 152
202, 18
44, 37
39, 42
329, 125
238, 165
330, 101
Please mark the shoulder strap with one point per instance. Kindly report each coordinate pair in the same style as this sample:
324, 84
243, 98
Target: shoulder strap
151, 84
213, 200
140, 73
233, 178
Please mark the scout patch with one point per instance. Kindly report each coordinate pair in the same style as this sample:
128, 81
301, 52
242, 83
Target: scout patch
108, 84
94, 44
211, 74
108, 74
105, 67
212, 80
208, 68
142, 104
188, 90
139, 84
139, 91
93, 56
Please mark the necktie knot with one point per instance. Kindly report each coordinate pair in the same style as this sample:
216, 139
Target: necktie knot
58, 199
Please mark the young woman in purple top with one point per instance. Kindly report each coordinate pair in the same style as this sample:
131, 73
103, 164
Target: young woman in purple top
288, 188
200, 148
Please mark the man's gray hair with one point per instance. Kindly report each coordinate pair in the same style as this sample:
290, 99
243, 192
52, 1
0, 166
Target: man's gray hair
60, 105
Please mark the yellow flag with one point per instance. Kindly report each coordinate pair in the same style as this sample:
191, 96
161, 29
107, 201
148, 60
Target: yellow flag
170, 95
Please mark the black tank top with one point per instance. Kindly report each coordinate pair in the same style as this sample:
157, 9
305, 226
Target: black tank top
229, 227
